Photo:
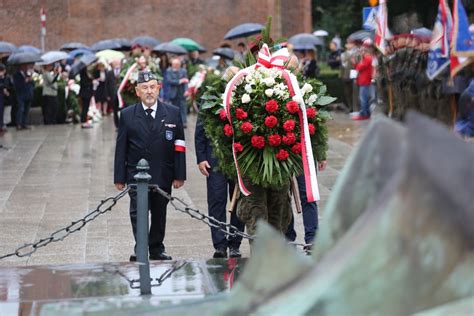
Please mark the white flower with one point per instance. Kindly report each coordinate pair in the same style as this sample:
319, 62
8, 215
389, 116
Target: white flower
269, 92
269, 81
217, 72
248, 88
312, 99
245, 98
297, 99
306, 88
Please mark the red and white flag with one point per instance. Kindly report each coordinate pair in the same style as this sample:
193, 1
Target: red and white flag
382, 33
43, 21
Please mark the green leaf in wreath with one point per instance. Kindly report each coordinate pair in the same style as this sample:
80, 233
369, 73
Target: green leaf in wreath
325, 100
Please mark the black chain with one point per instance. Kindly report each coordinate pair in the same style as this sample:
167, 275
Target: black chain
135, 283
59, 235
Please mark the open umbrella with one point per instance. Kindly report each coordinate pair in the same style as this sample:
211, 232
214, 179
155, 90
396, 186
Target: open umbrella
82, 63
23, 58
125, 44
243, 30
52, 57
304, 41
79, 51
170, 48
145, 41
224, 52
187, 43
110, 55
29, 49
320, 33
105, 44
72, 46
360, 36
7, 48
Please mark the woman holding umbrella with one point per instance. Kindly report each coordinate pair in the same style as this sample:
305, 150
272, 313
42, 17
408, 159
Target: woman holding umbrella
51, 74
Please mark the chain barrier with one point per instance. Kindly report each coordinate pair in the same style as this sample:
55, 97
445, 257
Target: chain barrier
210, 221
59, 235
135, 283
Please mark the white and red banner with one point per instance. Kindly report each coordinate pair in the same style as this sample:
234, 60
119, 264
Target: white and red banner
438, 56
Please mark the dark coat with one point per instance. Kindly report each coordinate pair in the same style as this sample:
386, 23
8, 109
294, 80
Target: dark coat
175, 89
23, 89
202, 145
135, 140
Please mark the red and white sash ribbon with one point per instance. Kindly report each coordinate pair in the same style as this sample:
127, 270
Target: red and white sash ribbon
277, 60
123, 83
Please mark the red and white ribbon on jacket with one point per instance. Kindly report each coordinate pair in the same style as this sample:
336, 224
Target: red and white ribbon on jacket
124, 83
277, 60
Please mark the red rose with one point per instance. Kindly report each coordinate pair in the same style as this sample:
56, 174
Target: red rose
282, 155
311, 128
271, 106
292, 106
238, 147
246, 127
311, 113
228, 130
274, 140
240, 114
296, 148
289, 125
289, 139
258, 141
271, 121
223, 115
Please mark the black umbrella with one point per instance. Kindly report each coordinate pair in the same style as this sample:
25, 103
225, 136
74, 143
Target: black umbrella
23, 58
8, 48
305, 41
360, 36
224, 52
29, 49
170, 48
145, 41
105, 44
82, 63
72, 46
125, 44
243, 30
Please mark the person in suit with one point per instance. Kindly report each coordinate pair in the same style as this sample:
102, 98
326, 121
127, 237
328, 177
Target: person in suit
23, 83
154, 131
86, 93
218, 185
177, 78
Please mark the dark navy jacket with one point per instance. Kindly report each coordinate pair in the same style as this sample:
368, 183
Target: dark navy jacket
162, 145
23, 89
202, 146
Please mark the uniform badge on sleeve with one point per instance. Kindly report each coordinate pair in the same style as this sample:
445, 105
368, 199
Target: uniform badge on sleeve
169, 135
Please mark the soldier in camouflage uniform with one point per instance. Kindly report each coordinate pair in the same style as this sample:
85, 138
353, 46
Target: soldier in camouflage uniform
271, 205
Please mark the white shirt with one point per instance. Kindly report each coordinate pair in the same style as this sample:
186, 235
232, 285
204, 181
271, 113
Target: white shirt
154, 108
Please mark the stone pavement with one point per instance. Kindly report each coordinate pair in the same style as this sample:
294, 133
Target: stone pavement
53, 175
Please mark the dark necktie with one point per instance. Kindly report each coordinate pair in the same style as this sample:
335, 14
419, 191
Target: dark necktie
149, 118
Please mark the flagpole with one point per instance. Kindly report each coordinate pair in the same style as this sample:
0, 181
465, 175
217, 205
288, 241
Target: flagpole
454, 110
43, 28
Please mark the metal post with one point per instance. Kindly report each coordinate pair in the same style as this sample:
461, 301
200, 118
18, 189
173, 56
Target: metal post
142, 178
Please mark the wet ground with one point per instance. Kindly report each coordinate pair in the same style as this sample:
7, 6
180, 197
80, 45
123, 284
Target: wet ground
53, 175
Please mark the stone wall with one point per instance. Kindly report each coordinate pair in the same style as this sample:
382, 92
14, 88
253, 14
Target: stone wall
88, 21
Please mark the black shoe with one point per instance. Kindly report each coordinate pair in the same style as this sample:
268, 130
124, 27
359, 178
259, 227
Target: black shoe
220, 253
133, 258
160, 256
234, 253
308, 249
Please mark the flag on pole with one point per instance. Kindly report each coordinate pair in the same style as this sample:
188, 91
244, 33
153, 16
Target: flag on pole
462, 45
382, 32
43, 21
438, 56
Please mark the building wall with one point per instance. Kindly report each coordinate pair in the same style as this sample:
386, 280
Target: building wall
88, 21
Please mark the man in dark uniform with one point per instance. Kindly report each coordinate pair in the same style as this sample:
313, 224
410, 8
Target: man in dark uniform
154, 131
218, 185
